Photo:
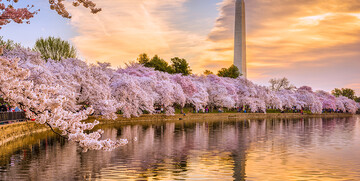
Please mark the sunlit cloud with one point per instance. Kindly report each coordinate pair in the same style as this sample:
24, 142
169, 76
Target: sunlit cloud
296, 38
127, 28
224, 24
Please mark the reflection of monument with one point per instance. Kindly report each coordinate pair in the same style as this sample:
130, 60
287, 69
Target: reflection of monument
240, 37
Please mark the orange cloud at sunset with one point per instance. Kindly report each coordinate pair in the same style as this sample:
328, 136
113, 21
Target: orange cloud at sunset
124, 29
312, 42
306, 41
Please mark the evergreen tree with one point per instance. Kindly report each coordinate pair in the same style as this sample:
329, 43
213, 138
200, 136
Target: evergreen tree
159, 64
357, 99
143, 59
232, 72
208, 72
180, 66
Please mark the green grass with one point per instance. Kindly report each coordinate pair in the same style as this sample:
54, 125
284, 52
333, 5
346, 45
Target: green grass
225, 110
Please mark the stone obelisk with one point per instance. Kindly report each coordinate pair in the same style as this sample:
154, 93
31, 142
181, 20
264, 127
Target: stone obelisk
240, 37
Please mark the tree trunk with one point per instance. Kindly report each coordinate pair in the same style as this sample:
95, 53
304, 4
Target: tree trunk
1, 50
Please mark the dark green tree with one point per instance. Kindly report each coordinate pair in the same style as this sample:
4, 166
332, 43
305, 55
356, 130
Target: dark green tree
180, 66
54, 48
232, 72
143, 59
336, 92
159, 64
357, 99
208, 72
349, 93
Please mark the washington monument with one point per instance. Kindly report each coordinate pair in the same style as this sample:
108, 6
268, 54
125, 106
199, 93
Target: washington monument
240, 37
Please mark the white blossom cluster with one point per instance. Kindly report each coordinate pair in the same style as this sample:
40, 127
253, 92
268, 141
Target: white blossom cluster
51, 92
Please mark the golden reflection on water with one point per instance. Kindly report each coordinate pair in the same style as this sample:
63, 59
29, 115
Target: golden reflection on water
216, 165
327, 153
7, 149
287, 149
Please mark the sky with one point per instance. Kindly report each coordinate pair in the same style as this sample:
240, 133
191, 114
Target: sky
311, 42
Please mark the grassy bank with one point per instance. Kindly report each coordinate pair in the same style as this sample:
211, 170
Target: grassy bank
215, 116
10, 132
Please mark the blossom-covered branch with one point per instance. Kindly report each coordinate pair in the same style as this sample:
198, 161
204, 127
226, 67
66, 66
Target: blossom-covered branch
47, 105
8, 11
59, 7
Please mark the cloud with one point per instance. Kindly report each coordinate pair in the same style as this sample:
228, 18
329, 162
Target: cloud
297, 39
224, 24
127, 28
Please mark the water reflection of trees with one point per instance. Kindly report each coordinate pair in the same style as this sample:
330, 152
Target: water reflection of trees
170, 150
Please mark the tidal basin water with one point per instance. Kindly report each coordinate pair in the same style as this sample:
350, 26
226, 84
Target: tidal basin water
272, 149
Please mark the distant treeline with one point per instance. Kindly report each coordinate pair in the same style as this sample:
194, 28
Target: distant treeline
180, 65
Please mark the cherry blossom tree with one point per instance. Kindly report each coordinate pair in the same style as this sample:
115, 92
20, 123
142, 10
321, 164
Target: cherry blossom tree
127, 90
80, 82
221, 92
8, 11
60, 8
328, 100
136, 89
44, 104
251, 95
159, 87
52, 92
307, 99
200, 97
346, 105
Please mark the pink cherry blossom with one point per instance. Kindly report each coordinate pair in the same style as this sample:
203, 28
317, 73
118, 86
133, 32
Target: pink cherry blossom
52, 92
